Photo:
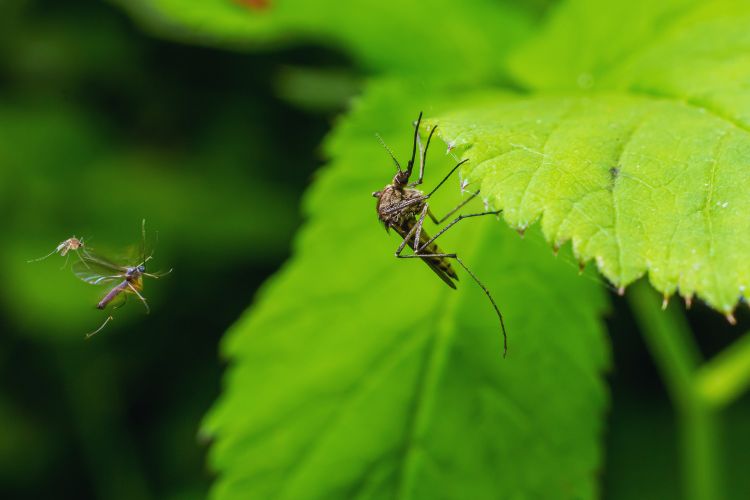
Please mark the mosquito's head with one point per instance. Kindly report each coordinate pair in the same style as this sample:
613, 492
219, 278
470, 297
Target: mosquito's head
376, 194
135, 271
401, 179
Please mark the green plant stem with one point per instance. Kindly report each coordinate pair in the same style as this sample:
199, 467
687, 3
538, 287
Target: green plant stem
727, 376
669, 339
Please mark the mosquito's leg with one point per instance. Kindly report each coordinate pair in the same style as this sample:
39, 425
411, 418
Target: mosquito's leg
410, 165
458, 207
406, 240
494, 305
158, 275
421, 162
454, 222
124, 301
446, 177
65, 264
89, 335
143, 239
145, 304
404, 204
416, 228
86, 253
412, 201
78, 253
42, 258
151, 255
432, 217
423, 156
437, 221
476, 280
419, 224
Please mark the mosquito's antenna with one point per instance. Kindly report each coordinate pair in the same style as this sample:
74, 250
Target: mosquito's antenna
393, 157
89, 335
414, 146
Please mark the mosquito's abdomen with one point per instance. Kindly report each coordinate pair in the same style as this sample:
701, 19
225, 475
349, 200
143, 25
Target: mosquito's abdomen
112, 294
440, 265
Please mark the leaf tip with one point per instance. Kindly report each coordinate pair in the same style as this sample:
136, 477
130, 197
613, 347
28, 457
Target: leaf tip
689, 301
665, 302
621, 291
730, 318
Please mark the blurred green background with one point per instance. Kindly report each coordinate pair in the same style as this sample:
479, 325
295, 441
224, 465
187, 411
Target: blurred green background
101, 125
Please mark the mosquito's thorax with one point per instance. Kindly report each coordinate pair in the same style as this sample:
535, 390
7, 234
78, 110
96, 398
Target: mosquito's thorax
135, 272
68, 245
391, 197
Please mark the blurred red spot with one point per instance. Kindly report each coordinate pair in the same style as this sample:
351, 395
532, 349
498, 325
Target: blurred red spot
254, 4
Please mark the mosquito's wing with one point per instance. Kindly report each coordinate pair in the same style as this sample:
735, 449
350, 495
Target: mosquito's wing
97, 270
96, 260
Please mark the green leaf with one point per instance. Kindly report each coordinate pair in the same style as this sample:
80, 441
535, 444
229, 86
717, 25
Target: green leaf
402, 37
636, 149
357, 375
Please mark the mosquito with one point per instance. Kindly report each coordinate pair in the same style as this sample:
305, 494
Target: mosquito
402, 207
123, 279
72, 244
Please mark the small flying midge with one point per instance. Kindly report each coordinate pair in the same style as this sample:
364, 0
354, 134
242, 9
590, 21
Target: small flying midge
402, 207
72, 244
123, 279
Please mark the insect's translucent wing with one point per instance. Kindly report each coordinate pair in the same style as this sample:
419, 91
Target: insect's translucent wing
97, 261
95, 274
